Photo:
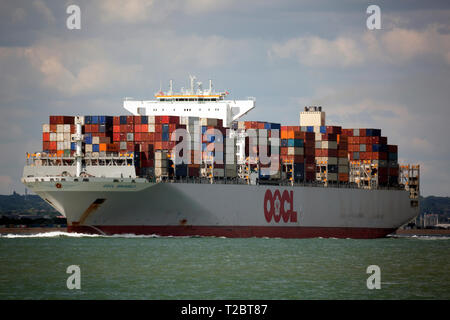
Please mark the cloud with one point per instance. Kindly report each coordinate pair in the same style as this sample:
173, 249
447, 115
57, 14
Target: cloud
42, 8
318, 52
395, 46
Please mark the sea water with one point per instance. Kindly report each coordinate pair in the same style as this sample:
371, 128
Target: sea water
152, 267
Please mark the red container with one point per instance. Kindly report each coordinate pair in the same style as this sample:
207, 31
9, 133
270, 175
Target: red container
362, 132
329, 137
45, 137
333, 129
116, 128
130, 146
116, 136
137, 137
116, 120
137, 119
130, 119
45, 145
158, 119
53, 145
392, 148
165, 119
129, 128
174, 119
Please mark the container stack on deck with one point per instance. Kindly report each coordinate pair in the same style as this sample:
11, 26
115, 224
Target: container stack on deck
56, 136
306, 153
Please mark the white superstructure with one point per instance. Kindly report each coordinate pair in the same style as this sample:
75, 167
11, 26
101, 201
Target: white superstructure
192, 102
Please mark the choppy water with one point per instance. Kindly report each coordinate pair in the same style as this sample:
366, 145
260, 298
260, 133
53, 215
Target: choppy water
151, 267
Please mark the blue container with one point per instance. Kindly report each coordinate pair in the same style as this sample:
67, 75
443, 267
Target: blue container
375, 148
181, 170
310, 129
356, 155
284, 142
332, 168
73, 146
393, 156
165, 136
384, 148
144, 119
275, 126
94, 120
323, 129
88, 138
295, 143
123, 119
376, 132
87, 119
299, 171
369, 133
102, 128
95, 148
101, 119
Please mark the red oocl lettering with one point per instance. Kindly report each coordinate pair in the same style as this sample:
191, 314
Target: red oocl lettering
268, 200
275, 206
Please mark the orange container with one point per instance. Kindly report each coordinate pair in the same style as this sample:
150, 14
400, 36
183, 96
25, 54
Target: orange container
102, 147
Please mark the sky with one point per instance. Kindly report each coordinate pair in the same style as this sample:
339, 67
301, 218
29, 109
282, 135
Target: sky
288, 54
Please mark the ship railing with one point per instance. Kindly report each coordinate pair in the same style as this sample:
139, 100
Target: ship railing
284, 183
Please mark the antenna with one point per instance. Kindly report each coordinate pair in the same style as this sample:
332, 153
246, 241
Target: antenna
210, 86
170, 87
192, 83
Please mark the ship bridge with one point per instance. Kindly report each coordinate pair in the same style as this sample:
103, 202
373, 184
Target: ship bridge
192, 102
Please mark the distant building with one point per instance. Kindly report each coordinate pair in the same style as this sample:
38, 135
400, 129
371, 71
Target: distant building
430, 220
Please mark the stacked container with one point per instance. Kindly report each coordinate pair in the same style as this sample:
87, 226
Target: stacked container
56, 136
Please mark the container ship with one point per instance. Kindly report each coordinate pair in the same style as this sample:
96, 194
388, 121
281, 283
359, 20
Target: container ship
184, 164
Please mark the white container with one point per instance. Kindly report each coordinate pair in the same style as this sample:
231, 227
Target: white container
45, 127
66, 145
60, 128
53, 136
160, 172
66, 136
326, 160
318, 144
329, 145
60, 145
88, 147
95, 140
295, 151
66, 128
356, 132
151, 128
151, 120
362, 148
123, 145
60, 136
318, 137
130, 136
160, 155
332, 176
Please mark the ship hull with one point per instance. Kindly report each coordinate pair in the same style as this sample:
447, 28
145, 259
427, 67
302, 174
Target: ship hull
229, 210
